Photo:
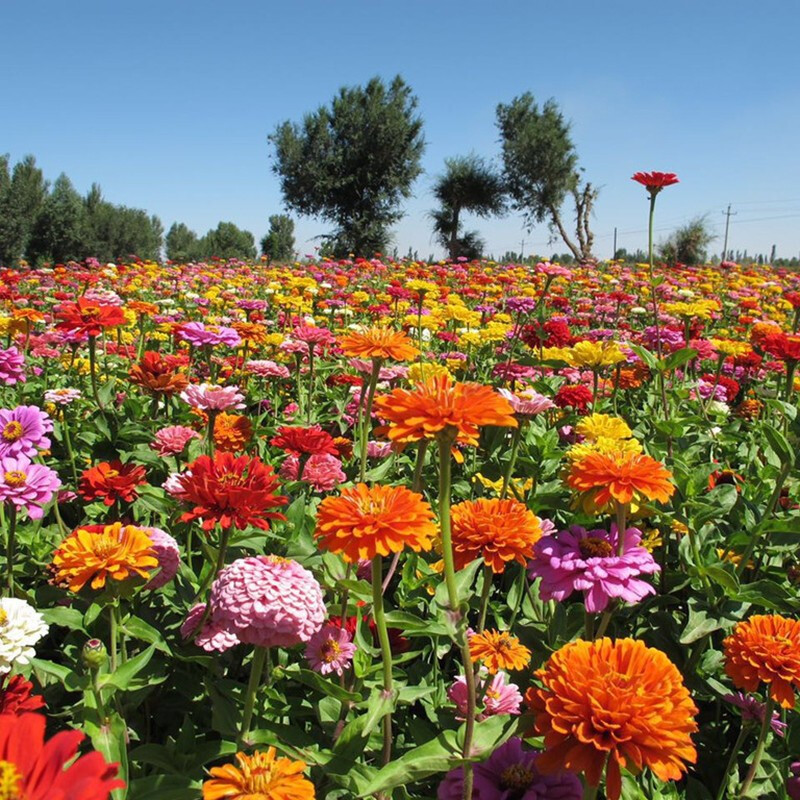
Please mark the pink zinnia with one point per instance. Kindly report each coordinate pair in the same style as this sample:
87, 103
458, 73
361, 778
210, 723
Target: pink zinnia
173, 439
62, 397
499, 697
22, 431
314, 336
267, 601
577, 560
322, 471
168, 555
208, 397
267, 369
379, 449
213, 638
330, 649
528, 403
26, 485
199, 335
12, 366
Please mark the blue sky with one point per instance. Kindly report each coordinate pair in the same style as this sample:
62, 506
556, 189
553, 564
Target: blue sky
168, 104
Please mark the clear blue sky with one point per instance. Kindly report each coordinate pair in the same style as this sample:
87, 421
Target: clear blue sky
168, 104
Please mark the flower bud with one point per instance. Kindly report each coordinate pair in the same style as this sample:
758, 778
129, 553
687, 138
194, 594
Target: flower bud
94, 654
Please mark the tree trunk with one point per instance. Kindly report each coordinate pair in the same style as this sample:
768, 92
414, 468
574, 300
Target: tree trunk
454, 234
556, 217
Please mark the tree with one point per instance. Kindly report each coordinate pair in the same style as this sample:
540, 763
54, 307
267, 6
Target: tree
181, 243
21, 196
352, 163
278, 244
228, 241
541, 168
689, 243
468, 184
59, 232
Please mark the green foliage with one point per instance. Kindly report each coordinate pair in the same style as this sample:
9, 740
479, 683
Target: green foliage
278, 244
353, 162
689, 243
227, 241
22, 193
181, 243
60, 230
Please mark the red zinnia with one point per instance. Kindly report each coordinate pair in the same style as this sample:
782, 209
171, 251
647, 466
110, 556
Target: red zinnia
654, 182
16, 696
782, 346
230, 491
89, 317
578, 397
311, 441
35, 769
110, 481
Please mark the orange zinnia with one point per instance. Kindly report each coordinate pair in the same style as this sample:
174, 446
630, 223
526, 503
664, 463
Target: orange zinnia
157, 375
498, 651
439, 403
98, 552
378, 343
232, 432
498, 531
621, 477
260, 776
364, 522
616, 701
765, 649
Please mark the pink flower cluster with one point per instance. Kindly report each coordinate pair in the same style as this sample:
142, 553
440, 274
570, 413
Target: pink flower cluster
199, 335
208, 397
323, 471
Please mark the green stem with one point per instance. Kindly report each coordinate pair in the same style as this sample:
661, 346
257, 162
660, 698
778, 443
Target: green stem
212, 418
68, 445
93, 370
512, 459
759, 752
723, 786
112, 635
621, 528
256, 670
488, 575
386, 651
12, 531
791, 367
422, 450
367, 417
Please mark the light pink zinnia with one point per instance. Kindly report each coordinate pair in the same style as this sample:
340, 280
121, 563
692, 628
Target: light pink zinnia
267, 601
62, 397
12, 366
499, 697
173, 439
168, 555
22, 431
330, 649
26, 485
199, 335
312, 336
267, 369
323, 471
213, 638
208, 397
528, 403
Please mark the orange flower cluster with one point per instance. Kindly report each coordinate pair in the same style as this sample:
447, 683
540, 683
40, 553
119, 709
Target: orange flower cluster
440, 403
365, 522
260, 776
157, 375
498, 531
615, 702
232, 432
765, 649
498, 651
378, 343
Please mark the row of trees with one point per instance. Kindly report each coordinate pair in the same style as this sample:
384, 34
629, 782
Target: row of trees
353, 162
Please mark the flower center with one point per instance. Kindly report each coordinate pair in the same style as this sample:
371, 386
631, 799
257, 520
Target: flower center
105, 546
330, 651
112, 473
10, 781
12, 431
516, 778
3, 617
15, 477
595, 547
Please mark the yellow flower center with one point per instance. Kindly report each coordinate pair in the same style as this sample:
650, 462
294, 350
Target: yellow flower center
12, 431
105, 546
10, 781
112, 473
330, 651
594, 547
3, 617
517, 778
15, 477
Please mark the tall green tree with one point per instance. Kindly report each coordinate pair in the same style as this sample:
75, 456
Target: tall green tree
353, 162
60, 230
181, 243
541, 169
228, 241
468, 184
278, 244
22, 193
689, 243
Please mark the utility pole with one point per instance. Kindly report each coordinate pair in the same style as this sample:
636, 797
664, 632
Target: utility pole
521, 250
728, 214
614, 251
772, 255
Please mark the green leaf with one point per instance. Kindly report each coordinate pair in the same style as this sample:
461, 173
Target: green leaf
110, 740
125, 673
679, 358
411, 625
778, 444
139, 629
321, 684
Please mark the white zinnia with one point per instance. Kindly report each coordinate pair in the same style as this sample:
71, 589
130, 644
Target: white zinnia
21, 626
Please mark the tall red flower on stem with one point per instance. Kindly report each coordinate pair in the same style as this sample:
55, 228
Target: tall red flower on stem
654, 182
33, 769
311, 440
230, 491
89, 317
110, 481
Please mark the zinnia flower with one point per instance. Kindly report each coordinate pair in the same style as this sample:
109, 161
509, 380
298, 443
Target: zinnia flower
577, 560
23, 431
209, 397
311, 440
364, 522
62, 397
765, 649
157, 375
378, 343
199, 335
228, 491
33, 769
498, 697
12, 366
324, 472
330, 649
16, 695
88, 317
267, 601
214, 637
439, 403
26, 485
498, 531
498, 650
619, 702
98, 552
754, 711
620, 477
167, 554
232, 432
173, 439
510, 773
21, 626
578, 397
267, 369
110, 481
260, 776
528, 402
654, 182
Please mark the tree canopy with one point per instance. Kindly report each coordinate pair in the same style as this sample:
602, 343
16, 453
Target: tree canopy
278, 243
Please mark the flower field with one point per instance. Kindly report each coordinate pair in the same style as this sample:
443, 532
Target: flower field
368, 528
